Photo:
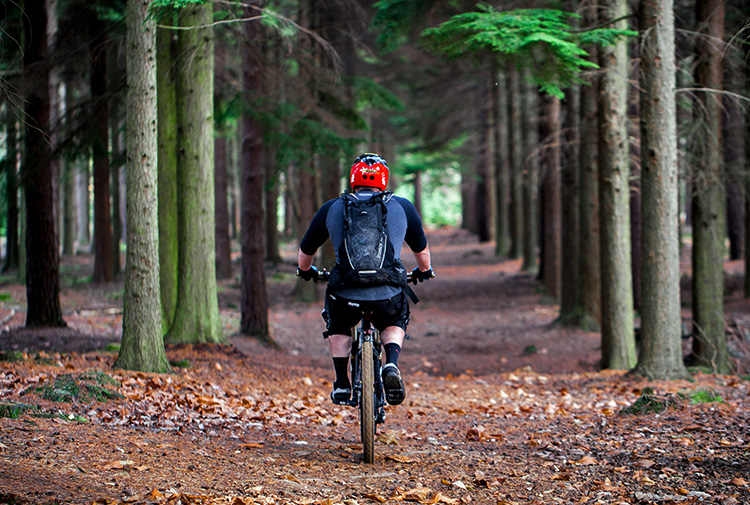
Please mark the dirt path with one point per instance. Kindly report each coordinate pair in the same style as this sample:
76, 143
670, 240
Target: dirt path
501, 408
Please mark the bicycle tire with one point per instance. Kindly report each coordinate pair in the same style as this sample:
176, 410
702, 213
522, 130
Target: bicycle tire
367, 403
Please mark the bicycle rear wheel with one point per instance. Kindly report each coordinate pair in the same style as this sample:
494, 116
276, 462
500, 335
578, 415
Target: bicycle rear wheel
367, 403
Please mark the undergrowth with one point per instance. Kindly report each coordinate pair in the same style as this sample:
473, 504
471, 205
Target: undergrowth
85, 387
651, 403
16, 410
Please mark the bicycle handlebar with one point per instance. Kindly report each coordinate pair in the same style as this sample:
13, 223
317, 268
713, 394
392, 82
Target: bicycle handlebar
324, 275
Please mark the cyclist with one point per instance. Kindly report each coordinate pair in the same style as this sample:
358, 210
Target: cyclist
346, 296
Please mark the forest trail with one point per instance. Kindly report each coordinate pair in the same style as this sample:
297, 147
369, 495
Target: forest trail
502, 408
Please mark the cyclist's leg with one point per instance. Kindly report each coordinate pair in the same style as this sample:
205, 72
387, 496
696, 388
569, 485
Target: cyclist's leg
340, 318
341, 345
396, 319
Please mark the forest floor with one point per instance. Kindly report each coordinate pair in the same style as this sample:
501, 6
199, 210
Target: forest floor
503, 406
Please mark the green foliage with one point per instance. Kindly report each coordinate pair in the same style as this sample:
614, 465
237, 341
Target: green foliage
394, 19
11, 356
369, 93
84, 387
166, 9
704, 396
651, 403
542, 40
180, 364
14, 410
113, 11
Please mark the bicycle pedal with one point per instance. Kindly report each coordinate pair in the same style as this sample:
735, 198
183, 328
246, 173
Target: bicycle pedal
380, 418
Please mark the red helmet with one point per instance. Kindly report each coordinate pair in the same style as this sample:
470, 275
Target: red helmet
369, 170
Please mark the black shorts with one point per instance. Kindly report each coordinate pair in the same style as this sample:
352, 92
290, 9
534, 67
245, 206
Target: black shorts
341, 314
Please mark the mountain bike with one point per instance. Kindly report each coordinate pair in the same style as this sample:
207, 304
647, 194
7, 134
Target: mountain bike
368, 394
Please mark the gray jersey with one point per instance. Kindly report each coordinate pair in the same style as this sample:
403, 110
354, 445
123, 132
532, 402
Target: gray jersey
403, 224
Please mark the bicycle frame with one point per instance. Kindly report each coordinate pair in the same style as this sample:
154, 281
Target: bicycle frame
367, 386
365, 332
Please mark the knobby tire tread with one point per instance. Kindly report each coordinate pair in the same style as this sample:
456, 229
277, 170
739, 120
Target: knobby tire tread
367, 403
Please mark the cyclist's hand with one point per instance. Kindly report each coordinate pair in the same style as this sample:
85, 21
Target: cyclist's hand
306, 275
418, 275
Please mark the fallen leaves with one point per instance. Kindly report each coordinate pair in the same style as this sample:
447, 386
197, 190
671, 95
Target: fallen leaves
585, 461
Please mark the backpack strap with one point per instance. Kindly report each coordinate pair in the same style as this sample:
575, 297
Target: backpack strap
411, 294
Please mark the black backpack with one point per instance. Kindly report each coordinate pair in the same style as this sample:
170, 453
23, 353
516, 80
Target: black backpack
366, 256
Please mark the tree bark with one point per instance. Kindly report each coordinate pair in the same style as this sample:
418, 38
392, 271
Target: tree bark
116, 192
590, 291
501, 164
167, 167
529, 113
618, 337
223, 243
103, 263
570, 275
661, 341
709, 225
69, 208
484, 163
196, 318
254, 303
516, 163
11, 191
221, 195
42, 262
273, 248
83, 196
746, 165
734, 154
551, 193
142, 346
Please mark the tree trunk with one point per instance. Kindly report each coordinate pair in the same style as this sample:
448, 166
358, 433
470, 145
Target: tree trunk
746, 139
734, 154
274, 87
254, 304
570, 288
529, 113
636, 221
42, 262
221, 194
661, 342
273, 248
103, 264
469, 198
116, 192
551, 194
69, 208
142, 346
483, 159
11, 191
196, 317
516, 163
223, 244
618, 337
501, 165
167, 166
83, 196
590, 291
709, 225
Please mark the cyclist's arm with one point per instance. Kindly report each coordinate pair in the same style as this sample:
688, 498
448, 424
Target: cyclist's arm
304, 261
415, 236
315, 236
424, 261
